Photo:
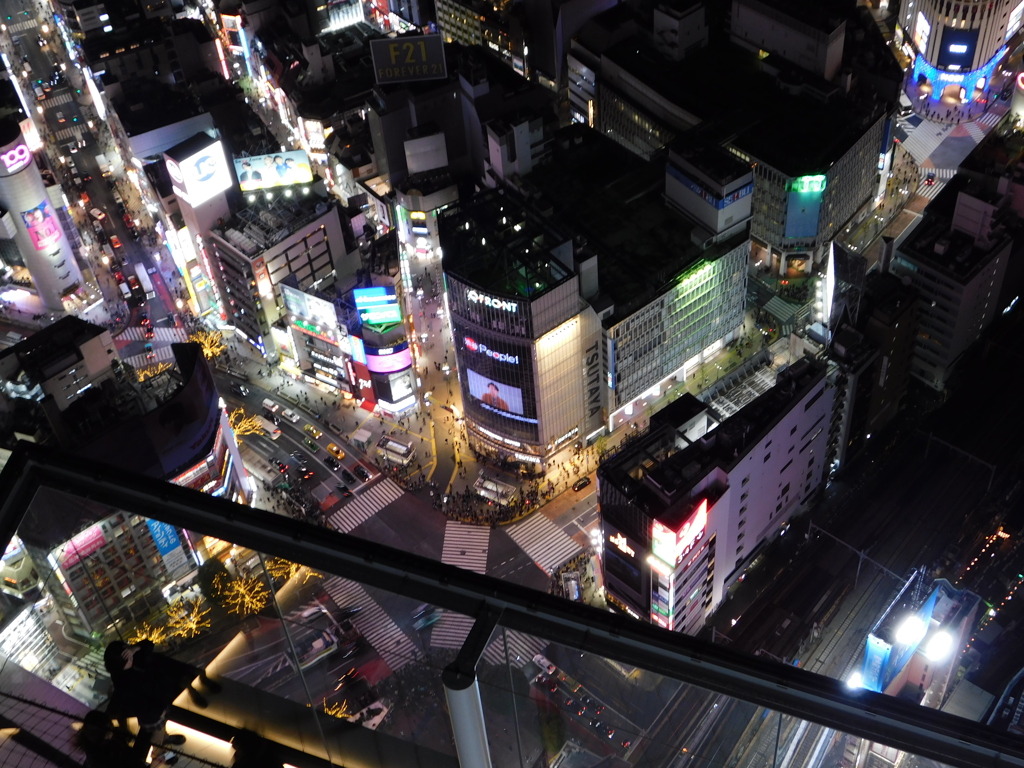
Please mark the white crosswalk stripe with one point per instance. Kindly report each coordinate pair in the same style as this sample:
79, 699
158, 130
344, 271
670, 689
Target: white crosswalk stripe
923, 140
387, 638
930, 191
21, 26
521, 648
55, 100
365, 505
451, 630
976, 131
160, 354
546, 544
465, 546
136, 333
991, 118
64, 134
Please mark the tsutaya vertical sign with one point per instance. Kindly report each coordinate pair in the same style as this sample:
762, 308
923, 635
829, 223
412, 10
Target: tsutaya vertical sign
592, 364
168, 544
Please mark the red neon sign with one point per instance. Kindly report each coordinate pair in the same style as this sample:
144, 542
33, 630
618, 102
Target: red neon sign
669, 545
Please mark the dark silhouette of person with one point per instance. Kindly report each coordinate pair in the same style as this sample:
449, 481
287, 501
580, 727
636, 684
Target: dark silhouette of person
146, 683
492, 398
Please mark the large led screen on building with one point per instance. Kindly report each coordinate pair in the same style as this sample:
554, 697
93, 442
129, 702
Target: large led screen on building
278, 170
495, 396
922, 31
1014, 22
957, 50
388, 359
315, 311
42, 226
803, 205
377, 305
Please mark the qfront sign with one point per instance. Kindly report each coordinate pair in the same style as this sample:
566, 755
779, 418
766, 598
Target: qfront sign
489, 301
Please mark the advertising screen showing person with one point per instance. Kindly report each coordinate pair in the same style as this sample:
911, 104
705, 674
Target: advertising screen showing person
42, 226
495, 395
277, 170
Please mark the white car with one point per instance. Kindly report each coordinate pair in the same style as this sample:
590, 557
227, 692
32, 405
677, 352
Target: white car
98, 214
291, 415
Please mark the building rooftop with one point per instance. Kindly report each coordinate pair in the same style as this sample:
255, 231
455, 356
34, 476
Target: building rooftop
260, 226
935, 243
714, 162
886, 296
604, 192
49, 349
823, 15
659, 470
502, 245
144, 109
743, 101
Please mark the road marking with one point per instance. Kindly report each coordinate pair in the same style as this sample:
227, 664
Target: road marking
546, 544
387, 638
136, 333
365, 505
465, 546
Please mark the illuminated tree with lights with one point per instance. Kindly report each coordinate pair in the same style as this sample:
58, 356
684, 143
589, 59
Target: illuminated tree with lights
279, 568
245, 596
187, 617
212, 343
244, 424
339, 711
152, 370
156, 635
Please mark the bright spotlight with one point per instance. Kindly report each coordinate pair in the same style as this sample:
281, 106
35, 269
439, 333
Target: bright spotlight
855, 681
939, 646
911, 631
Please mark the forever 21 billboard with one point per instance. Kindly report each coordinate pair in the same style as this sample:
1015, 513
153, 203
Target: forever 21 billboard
408, 58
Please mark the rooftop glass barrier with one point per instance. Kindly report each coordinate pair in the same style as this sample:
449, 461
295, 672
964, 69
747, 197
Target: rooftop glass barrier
324, 649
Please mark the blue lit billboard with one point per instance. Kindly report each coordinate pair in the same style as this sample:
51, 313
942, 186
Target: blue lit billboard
377, 305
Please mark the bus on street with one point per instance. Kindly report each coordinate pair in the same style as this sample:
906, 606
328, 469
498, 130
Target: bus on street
146, 283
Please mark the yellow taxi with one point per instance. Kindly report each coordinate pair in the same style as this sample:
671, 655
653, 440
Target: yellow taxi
316, 433
335, 451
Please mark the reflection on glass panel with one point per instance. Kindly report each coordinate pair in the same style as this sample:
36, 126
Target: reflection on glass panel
342, 669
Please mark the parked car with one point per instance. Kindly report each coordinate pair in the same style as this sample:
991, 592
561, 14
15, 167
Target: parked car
238, 389
348, 477
291, 415
332, 462
360, 470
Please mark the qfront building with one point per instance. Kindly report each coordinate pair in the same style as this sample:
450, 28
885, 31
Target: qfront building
526, 343
956, 48
685, 507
